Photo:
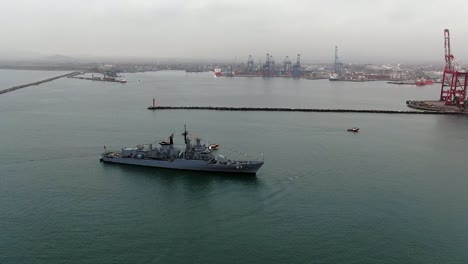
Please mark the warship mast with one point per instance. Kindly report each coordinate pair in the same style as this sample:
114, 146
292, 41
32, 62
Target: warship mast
185, 134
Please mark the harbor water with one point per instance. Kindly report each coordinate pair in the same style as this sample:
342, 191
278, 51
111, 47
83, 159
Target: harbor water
393, 193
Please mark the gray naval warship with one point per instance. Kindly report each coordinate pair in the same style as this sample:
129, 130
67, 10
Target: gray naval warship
193, 157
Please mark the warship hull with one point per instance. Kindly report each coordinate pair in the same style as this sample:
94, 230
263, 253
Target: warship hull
250, 167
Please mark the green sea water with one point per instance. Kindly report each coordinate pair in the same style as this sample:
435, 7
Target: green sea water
393, 193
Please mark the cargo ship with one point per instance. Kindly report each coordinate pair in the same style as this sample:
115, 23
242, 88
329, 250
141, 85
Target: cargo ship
422, 82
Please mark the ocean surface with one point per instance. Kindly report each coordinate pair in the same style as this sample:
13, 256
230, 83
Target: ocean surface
394, 193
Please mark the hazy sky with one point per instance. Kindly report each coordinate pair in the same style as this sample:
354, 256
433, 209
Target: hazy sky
364, 30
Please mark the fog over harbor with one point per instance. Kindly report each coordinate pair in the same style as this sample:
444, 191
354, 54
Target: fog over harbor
231, 132
366, 31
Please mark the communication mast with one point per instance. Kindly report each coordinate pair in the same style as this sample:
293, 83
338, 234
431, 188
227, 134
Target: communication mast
337, 65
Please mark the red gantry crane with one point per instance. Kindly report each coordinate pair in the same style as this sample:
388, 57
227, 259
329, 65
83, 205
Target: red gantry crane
454, 82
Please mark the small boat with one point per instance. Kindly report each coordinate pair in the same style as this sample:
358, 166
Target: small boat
213, 146
353, 129
218, 72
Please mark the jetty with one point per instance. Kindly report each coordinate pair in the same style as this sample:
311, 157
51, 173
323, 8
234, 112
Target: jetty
402, 82
71, 74
434, 106
278, 109
100, 79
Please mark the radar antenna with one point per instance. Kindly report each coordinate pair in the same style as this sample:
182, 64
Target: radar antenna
171, 139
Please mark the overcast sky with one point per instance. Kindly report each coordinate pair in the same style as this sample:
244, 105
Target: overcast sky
364, 30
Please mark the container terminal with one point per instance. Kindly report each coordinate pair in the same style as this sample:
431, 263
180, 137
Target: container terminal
338, 71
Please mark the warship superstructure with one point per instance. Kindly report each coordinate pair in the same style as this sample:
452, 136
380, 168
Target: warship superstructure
194, 156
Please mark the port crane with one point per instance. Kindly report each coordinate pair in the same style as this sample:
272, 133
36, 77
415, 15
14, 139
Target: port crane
250, 65
268, 67
287, 65
454, 81
297, 70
